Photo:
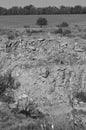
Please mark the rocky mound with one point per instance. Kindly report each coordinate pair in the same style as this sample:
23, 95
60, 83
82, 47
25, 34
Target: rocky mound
42, 78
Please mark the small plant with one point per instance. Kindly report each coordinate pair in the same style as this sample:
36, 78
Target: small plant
60, 31
63, 32
36, 31
11, 37
27, 26
81, 96
6, 81
6, 86
63, 24
42, 22
66, 32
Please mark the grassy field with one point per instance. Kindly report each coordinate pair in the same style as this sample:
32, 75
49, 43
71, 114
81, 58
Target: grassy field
22, 20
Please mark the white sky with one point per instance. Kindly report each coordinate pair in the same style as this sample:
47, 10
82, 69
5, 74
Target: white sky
41, 3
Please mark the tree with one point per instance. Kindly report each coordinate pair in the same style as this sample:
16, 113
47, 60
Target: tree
3, 11
13, 11
29, 9
41, 22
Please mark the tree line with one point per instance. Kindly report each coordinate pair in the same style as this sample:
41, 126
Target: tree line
32, 10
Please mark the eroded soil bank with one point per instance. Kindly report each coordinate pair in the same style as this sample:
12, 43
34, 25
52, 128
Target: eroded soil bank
42, 82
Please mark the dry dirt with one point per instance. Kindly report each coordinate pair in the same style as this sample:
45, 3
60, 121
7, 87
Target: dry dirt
49, 70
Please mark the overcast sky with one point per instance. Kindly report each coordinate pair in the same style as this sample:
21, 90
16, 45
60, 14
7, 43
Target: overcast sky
41, 3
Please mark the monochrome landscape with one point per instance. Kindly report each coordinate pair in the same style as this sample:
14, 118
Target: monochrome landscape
43, 68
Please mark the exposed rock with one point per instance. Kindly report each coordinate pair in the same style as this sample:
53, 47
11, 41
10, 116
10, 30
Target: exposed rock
48, 72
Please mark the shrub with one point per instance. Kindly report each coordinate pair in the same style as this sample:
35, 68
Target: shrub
63, 24
66, 32
11, 36
7, 85
36, 31
27, 26
60, 31
63, 32
6, 81
41, 22
81, 96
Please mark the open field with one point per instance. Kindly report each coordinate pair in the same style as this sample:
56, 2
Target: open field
43, 74
21, 21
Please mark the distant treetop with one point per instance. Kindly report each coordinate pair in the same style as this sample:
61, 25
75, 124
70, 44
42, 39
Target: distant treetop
32, 10
41, 21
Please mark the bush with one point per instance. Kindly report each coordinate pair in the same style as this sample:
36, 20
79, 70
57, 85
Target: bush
60, 31
36, 31
66, 32
13, 35
6, 81
81, 96
41, 22
63, 32
63, 24
7, 85
27, 26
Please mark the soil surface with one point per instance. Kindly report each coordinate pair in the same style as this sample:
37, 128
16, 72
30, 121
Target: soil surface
43, 80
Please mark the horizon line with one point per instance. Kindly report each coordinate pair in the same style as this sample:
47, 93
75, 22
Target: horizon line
40, 6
